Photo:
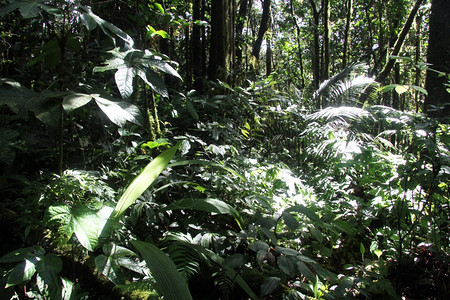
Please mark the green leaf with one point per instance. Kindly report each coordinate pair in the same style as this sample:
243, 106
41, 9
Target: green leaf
400, 89
208, 205
118, 112
191, 110
206, 163
115, 257
22, 254
304, 210
286, 251
75, 100
111, 64
287, 265
290, 220
48, 268
164, 66
144, 180
269, 285
170, 283
87, 226
154, 81
91, 21
159, 7
235, 261
305, 271
124, 80
21, 272
362, 249
259, 246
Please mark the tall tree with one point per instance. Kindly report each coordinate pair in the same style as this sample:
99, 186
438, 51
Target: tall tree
399, 42
299, 46
222, 39
326, 40
439, 57
316, 48
244, 7
262, 29
348, 22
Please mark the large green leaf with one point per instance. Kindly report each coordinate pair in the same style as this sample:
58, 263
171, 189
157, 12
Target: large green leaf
88, 225
208, 205
124, 79
144, 180
170, 283
118, 112
29, 8
115, 257
305, 211
76, 100
22, 254
91, 21
47, 269
21, 272
153, 80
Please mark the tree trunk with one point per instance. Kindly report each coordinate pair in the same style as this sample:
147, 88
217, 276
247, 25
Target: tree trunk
196, 45
326, 40
439, 57
399, 42
262, 29
268, 58
316, 48
240, 22
299, 47
348, 22
222, 40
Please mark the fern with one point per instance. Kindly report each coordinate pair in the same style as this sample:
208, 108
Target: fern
185, 259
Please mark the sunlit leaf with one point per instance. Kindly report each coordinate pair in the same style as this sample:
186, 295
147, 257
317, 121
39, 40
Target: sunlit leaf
124, 79
21, 272
75, 100
144, 180
400, 89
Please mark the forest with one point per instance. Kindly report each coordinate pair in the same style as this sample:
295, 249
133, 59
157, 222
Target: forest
224, 149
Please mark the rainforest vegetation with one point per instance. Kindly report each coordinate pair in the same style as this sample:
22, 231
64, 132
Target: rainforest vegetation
224, 149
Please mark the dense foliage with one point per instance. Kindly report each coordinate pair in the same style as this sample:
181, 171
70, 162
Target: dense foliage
128, 171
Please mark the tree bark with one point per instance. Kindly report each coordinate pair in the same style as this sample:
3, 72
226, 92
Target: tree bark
316, 48
439, 57
262, 29
222, 40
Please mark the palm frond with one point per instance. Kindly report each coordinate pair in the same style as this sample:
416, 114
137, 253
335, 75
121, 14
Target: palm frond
345, 87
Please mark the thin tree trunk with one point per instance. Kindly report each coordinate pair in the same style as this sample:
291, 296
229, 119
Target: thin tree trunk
399, 42
326, 40
262, 29
416, 60
240, 22
268, 58
316, 47
300, 57
348, 22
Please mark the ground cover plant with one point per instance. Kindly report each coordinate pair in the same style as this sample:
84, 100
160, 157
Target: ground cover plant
132, 171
